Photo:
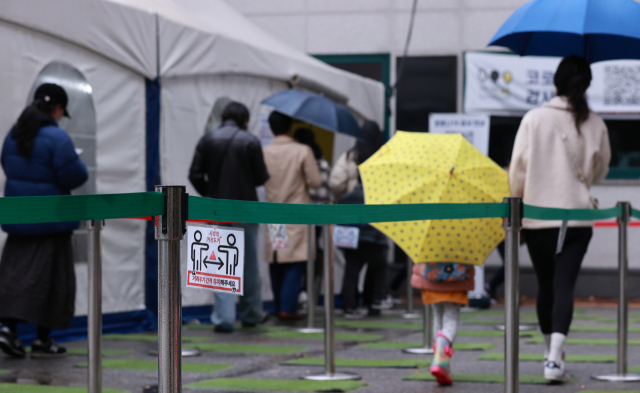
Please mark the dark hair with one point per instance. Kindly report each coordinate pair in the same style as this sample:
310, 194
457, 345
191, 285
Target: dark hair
32, 118
369, 144
572, 79
236, 112
279, 122
307, 137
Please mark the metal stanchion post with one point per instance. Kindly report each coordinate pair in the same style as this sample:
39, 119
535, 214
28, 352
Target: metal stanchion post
427, 336
94, 318
410, 314
623, 308
329, 343
512, 228
311, 268
169, 230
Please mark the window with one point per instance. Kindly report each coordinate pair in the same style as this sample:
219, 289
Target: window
81, 127
428, 84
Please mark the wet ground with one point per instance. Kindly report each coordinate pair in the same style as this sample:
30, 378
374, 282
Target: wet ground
127, 352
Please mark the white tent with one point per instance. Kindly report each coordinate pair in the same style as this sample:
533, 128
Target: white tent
154, 69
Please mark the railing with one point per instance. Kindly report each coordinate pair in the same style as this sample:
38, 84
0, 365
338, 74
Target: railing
171, 208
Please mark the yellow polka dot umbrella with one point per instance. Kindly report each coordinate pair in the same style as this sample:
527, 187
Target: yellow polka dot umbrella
436, 168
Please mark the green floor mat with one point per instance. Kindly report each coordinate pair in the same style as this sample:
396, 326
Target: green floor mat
480, 378
20, 388
377, 325
380, 363
320, 336
105, 352
276, 384
402, 345
150, 365
497, 322
538, 357
491, 333
257, 329
586, 341
610, 391
245, 348
614, 329
150, 337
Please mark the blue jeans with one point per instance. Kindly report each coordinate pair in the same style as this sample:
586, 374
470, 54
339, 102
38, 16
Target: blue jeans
286, 280
250, 305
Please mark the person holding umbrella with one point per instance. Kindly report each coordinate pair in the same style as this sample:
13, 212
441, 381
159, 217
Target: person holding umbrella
293, 171
560, 150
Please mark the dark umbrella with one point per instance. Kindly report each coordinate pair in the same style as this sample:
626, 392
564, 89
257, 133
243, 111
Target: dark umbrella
316, 110
597, 30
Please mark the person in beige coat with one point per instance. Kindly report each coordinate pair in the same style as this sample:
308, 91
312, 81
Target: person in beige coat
293, 170
560, 150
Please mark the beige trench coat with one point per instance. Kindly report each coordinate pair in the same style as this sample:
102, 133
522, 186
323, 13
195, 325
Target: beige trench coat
293, 170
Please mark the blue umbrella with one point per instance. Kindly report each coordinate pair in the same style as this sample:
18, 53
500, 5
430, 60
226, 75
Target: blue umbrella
597, 30
316, 110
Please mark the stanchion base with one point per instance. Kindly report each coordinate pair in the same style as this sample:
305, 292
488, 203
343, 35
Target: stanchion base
186, 353
629, 377
523, 328
419, 351
333, 377
310, 330
411, 316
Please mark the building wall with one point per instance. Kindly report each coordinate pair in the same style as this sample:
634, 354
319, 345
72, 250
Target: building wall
372, 26
442, 27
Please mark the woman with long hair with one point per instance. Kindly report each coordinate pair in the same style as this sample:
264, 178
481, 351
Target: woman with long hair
37, 278
560, 150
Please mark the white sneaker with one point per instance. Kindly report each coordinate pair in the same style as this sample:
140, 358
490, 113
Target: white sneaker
555, 372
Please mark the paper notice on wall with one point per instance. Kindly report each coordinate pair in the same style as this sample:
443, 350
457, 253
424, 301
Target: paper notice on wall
474, 128
215, 258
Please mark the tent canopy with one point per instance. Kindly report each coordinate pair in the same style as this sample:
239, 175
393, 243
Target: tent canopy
170, 38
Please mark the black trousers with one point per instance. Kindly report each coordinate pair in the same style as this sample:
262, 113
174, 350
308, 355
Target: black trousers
375, 279
557, 274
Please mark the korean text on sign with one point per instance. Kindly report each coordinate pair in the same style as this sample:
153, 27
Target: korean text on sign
215, 258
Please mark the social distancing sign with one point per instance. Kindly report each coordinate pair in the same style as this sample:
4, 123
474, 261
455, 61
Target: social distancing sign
215, 258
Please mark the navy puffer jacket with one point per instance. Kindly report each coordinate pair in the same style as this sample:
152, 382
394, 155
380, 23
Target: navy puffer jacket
54, 168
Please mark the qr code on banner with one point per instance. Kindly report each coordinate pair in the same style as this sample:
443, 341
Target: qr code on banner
622, 85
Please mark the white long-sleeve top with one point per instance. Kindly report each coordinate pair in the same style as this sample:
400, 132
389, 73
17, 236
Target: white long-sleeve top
541, 170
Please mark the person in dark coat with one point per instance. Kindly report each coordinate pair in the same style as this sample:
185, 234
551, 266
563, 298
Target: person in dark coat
37, 278
228, 164
372, 249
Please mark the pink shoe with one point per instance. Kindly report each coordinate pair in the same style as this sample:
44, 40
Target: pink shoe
442, 353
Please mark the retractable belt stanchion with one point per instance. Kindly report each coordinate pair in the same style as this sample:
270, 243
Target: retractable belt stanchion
427, 336
169, 230
311, 293
94, 319
512, 227
621, 374
410, 314
329, 343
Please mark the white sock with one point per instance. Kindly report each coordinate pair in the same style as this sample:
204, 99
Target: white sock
547, 345
450, 320
557, 347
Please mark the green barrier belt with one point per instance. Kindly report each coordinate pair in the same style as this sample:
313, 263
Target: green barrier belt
284, 213
546, 213
635, 213
28, 210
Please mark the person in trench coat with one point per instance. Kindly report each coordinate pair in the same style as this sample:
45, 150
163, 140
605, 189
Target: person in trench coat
293, 171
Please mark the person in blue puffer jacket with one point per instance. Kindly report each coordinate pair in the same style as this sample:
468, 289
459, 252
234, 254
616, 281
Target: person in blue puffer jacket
37, 278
